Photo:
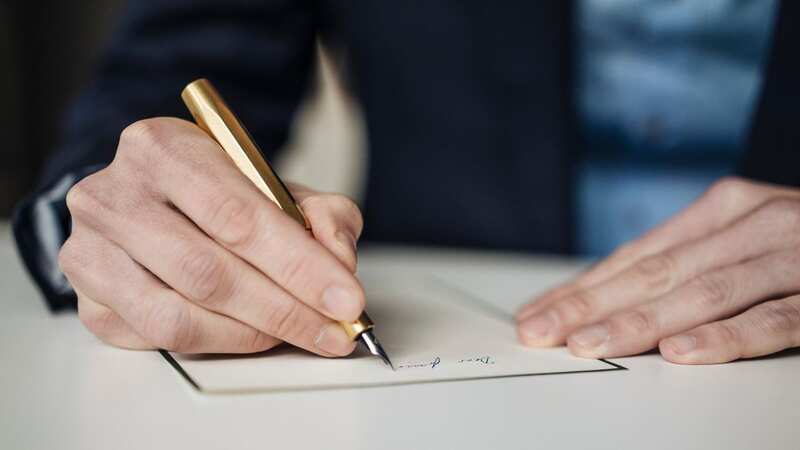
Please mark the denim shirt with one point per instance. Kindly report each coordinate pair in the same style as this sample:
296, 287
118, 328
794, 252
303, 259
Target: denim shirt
665, 93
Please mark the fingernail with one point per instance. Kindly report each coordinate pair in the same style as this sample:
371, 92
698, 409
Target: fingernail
591, 337
537, 327
340, 303
682, 343
333, 340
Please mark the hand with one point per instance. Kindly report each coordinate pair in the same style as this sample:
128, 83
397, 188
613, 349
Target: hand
716, 283
172, 247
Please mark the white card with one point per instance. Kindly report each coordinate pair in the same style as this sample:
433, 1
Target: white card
431, 330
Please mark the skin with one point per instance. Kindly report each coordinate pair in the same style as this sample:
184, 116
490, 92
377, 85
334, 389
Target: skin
716, 283
171, 247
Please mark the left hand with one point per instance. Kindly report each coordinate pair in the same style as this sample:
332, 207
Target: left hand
718, 282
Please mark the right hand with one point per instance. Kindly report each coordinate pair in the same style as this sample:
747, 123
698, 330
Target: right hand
173, 248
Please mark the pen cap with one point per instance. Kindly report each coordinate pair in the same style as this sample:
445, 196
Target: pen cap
216, 118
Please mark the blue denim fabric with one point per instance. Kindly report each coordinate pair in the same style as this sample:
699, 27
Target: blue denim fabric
665, 94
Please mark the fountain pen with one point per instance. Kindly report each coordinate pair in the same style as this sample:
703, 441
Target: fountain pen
213, 115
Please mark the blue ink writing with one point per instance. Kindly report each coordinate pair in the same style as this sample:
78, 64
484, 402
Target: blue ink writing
486, 360
433, 364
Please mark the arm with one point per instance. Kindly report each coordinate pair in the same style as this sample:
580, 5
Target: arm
258, 53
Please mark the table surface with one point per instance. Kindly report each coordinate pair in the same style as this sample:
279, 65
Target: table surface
61, 388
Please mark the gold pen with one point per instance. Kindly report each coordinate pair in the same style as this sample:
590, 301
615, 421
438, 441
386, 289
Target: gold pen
215, 118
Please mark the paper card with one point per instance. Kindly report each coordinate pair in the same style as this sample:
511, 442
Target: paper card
431, 330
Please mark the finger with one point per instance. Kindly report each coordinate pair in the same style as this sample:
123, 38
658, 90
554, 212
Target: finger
336, 223
199, 179
764, 329
171, 247
709, 297
108, 325
545, 299
335, 220
725, 202
102, 321
161, 316
765, 230
211, 277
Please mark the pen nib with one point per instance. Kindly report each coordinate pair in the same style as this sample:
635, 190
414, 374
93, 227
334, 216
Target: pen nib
369, 339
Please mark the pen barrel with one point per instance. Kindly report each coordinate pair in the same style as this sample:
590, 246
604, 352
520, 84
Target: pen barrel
213, 115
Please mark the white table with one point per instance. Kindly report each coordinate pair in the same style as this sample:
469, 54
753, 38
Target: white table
62, 389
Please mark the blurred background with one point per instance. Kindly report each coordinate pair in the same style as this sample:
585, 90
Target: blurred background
47, 52
664, 95
46, 49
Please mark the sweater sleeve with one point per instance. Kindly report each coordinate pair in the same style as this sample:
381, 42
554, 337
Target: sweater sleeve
259, 54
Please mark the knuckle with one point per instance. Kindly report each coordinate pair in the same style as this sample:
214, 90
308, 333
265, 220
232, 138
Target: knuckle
294, 271
150, 144
76, 199
714, 292
140, 141
146, 133
100, 198
256, 341
726, 332
778, 317
282, 321
233, 222
100, 321
730, 190
205, 276
69, 259
636, 321
170, 327
782, 211
574, 308
85, 197
656, 271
